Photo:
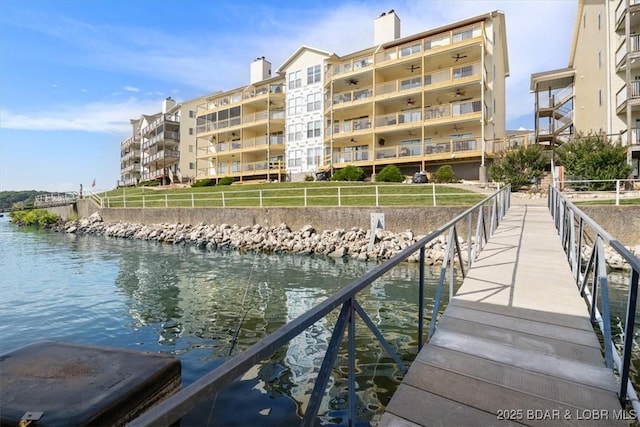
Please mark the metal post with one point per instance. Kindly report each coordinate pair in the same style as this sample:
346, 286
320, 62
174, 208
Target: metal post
628, 334
166, 201
617, 192
469, 219
193, 205
260, 194
339, 201
421, 300
223, 203
377, 197
352, 364
433, 189
143, 202
305, 197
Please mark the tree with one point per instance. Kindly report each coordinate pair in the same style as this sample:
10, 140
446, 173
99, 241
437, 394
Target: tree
594, 157
521, 167
390, 173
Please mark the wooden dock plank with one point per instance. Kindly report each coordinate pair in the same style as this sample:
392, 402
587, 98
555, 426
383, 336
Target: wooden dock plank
517, 336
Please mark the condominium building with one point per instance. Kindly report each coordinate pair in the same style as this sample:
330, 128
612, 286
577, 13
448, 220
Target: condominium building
433, 98
161, 147
599, 91
240, 132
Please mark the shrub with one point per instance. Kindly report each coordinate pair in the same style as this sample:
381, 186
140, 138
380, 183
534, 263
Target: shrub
207, 182
350, 173
390, 173
309, 178
521, 167
38, 217
444, 174
594, 157
227, 180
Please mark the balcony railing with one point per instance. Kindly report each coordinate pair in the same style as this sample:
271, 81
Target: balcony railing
131, 141
130, 168
130, 156
350, 126
621, 96
622, 51
159, 173
354, 95
164, 118
263, 90
350, 66
162, 136
621, 9
399, 118
433, 42
164, 154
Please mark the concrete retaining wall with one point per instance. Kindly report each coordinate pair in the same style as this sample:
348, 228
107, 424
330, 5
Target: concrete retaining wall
622, 222
64, 212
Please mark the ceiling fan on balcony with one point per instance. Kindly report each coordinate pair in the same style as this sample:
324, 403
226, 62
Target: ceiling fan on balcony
459, 93
457, 128
458, 57
352, 82
413, 67
411, 101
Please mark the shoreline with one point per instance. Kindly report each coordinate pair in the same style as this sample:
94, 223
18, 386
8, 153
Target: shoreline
338, 243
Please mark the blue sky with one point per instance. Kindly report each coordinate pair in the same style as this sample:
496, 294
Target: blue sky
73, 73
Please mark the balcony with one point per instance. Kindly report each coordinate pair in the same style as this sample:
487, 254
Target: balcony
351, 96
133, 155
622, 98
160, 173
160, 122
165, 155
350, 126
622, 53
350, 67
433, 43
131, 168
621, 10
400, 118
171, 137
131, 142
456, 109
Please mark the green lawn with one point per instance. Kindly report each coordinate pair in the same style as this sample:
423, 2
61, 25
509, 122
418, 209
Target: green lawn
293, 195
607, 202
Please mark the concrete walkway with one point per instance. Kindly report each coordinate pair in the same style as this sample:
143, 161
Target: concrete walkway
515, 346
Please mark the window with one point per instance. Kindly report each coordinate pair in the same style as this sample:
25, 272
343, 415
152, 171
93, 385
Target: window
462, 35
190, 131
192, 114
314, 102
461, 72
295, 158
409, 50
191, 148
295, 80
295, 106
192, 165
314, 74
314, 128
600, 20
313, 156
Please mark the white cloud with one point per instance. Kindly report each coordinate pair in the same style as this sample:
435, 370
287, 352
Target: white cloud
105, 117
538, 37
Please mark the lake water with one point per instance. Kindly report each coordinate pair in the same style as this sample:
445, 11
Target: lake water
204, 307
192, 304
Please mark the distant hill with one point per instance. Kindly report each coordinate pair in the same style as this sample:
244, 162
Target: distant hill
8, 198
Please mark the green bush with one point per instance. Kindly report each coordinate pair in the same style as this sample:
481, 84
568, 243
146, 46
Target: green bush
227, 180
309, 178
38, 217
350, 173
521, 167
207, 182
390, 173
444, 174
596, 158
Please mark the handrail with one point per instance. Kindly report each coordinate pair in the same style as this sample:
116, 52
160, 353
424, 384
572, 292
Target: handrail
570, 222
173, 408
55, 199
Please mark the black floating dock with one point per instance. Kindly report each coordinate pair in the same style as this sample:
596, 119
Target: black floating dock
63, 384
